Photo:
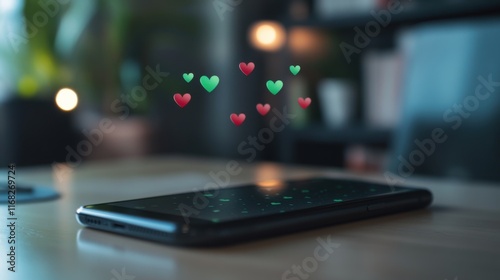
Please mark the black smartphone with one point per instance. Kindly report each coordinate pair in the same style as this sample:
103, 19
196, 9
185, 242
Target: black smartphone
228, 215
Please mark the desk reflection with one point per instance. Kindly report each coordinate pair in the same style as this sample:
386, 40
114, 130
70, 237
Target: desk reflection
104, 252
126, 256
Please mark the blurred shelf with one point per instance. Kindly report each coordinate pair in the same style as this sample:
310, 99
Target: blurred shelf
347, 135
411, 15
319, 145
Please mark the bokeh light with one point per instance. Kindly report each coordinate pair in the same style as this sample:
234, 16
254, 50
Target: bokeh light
267, 35
67, 99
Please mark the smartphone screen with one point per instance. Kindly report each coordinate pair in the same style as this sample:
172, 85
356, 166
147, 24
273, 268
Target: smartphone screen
263, 199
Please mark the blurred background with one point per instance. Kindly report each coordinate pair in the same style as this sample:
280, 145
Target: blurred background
403, 88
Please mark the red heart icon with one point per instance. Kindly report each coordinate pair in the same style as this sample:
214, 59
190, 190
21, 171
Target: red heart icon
304, 103
263, 109
182, 100
247, 68
238, 119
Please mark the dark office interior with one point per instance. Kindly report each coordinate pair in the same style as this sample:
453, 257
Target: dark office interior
375, 89
399, 90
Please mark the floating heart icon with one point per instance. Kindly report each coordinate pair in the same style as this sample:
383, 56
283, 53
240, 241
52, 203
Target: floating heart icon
274, 87
263, 109
209, 84
182, 100
304, 103
295, 69
237, 119
188, 77
247, 68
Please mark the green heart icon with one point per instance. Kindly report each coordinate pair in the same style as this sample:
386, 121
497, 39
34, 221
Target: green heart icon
209, 84
274, 87
295, 69
188, 77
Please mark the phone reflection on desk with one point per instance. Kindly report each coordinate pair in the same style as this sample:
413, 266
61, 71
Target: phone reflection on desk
139, 258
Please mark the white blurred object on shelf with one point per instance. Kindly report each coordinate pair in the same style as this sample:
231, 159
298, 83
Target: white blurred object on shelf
382, 72
337, 100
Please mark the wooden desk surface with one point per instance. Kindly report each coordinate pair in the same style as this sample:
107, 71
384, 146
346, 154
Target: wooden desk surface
458, 237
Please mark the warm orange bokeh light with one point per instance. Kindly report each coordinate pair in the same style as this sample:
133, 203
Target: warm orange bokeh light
306, 42
267, 35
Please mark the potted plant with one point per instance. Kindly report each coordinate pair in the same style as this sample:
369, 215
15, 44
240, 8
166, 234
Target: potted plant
33, 130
